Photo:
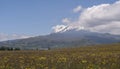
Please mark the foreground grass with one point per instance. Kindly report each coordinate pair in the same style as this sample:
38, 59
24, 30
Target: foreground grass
92, 57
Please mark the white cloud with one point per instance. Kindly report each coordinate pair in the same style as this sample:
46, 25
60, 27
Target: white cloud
77, 9
66, 20
104, 18
4, 37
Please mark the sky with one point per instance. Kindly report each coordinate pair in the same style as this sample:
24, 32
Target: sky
26, 18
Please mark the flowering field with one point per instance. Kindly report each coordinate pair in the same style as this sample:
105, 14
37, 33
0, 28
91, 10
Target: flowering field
92, 57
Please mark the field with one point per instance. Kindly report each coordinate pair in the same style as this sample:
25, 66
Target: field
92, 57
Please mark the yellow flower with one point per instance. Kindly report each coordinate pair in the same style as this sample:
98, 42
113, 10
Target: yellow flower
84, 61
62, 59
42, 58
27, 68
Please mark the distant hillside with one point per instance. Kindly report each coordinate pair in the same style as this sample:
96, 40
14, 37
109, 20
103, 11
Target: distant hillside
65, 39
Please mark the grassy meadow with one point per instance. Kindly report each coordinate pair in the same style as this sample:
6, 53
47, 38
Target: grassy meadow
92, 57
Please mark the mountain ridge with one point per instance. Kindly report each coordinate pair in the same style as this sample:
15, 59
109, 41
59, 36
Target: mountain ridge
69, 38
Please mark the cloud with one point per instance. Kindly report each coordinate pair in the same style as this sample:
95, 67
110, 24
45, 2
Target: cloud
103, 18
66, 20
4, 37
77, 9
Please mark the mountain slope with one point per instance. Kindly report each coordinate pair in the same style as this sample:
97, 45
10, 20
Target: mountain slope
65, 39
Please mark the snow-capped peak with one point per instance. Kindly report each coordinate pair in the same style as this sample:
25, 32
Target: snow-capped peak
63, 28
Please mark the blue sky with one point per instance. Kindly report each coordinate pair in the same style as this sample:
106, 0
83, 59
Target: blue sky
37, 17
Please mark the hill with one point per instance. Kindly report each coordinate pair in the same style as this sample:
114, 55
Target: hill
63, 39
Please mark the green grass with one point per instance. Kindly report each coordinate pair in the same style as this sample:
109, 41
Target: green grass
92, 57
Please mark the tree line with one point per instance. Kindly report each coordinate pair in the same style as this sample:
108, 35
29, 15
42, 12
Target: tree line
3, 48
